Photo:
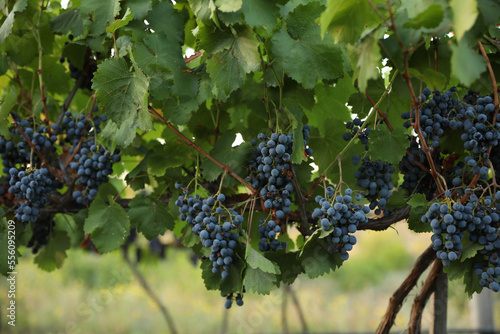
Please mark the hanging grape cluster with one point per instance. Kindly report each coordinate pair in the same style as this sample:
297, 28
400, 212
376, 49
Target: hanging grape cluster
92, 163
341, 215
218, 227
467, 212
270, 171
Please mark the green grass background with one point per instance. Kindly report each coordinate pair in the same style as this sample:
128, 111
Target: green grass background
99, 294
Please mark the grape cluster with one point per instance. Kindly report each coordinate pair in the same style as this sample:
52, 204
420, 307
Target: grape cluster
270, 171
268, 236
92, 164
415, 179
16, 150
375, 177
353, 128
342, 216
479, 220
435, 114
229, 299
32, 188
41, 234
217, 227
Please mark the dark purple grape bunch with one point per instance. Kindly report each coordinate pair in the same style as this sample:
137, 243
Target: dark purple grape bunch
32, 188
269, 232
475, 221
92, 162
341, 216
218, 227
237, 297
375, 178
16, 151
353, 127
435, 114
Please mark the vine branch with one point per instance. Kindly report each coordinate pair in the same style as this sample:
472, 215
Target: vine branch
493, 79
33, 147
397, 299
380, 113
199, 149
423, 296
415, 103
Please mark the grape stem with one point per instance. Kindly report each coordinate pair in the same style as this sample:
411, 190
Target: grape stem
116, 46
67, 102
415, 102
199, 149
493, 82
423, 296
40, 70
397, 299
89, 117
356, 135
33, 147
302, 203
422, 167
380, 113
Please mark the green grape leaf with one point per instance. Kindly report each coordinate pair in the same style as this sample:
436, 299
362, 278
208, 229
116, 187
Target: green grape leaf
295, 114
54, 75
109, 225
151, 217
429, 18
235, 158
476, 64
257, 261
4, 64
96, 14
228, 5
159, 49
304, 54
123, 94
72, 225
167, 156
123, 136
189, 239
52, 256
455, 270
8, 102
387, 146
288, 263
7, 25
204, 10
120, 23
261, 13
233, 283
140, 8
471, 280
470, 248
331, 103
259, 281
165, 19
211, 280
70, 20
419, 206
366, 59
465, 13
346, 20
315, 258
228, 68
